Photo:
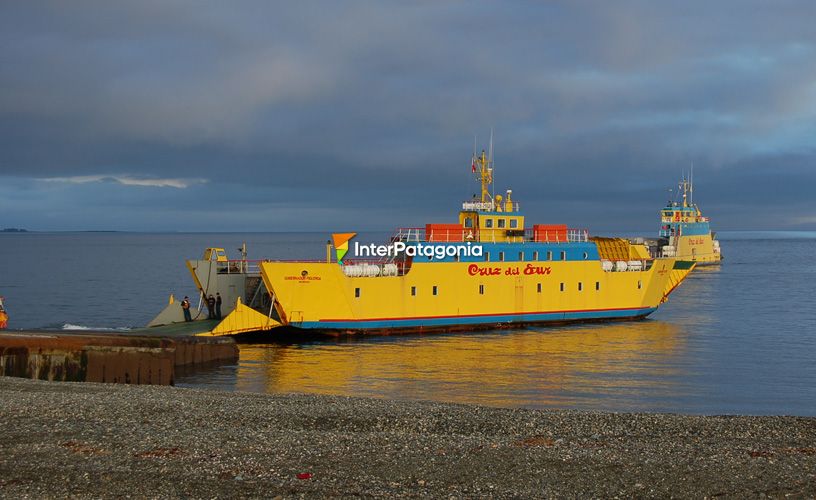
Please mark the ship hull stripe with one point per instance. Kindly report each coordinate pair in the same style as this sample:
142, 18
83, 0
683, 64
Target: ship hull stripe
532, 317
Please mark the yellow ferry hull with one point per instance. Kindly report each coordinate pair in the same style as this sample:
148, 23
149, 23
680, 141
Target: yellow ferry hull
456, 296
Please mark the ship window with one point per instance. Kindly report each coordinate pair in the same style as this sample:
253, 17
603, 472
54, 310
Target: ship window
413, 291
435, 290
535, 255
513, 223
549, 254
501, 256
481, 289
562, 287
640, 284
580, 286
487, 256
597, 285
468, 222
521, 256
357, 292
501, 223
488, 223
563, 255
539, 288
586, 255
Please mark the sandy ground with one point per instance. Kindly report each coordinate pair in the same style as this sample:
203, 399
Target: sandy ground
94, 440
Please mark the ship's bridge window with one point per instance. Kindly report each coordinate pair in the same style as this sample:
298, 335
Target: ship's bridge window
535, 255
563, 255
501, 223
487, 256
513, 223
468, 222
501, 256
488, 223
549, 254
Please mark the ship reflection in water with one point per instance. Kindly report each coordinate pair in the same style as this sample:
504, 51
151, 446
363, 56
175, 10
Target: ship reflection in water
626, 366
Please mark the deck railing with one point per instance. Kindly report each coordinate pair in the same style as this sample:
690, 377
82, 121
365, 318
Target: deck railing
418, 234
238, 267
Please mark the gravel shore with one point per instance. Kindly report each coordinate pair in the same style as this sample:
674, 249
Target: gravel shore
95, 440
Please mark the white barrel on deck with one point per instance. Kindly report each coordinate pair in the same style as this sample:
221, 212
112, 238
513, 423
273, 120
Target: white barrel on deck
390, 270
371, 270
607, 265
352, 271
634, 265
620, 265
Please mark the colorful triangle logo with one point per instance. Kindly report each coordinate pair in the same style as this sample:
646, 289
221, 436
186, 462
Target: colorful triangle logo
341, 243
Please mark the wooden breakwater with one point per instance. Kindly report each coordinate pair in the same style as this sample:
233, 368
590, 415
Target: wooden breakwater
122, 358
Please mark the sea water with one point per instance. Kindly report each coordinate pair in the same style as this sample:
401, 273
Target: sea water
736, 338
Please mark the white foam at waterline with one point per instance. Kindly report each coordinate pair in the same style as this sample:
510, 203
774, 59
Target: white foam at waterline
69, 326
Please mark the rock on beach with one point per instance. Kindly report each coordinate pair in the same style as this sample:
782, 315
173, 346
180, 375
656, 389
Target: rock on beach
96, 440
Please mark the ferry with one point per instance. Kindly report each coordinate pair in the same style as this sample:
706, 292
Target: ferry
490, 269
684, 233
3, 315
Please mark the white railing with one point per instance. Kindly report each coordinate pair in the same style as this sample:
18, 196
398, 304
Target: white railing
485, 206
580, 235
488, 206
409, 234
238, 267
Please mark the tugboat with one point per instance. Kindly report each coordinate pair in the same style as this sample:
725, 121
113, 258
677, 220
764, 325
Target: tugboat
489, 270
3, 316
684, 232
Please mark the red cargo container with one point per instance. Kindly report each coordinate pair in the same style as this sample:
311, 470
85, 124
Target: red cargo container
444, 232
550, 233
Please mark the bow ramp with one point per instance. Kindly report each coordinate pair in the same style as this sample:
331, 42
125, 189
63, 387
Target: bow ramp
243, 319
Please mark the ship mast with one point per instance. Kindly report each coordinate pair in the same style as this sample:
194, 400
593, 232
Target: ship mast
484, 171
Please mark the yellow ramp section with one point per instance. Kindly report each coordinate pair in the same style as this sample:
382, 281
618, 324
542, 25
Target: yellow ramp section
242, 320
679, 272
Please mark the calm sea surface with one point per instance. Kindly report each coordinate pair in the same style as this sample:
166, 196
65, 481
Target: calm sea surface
736, 338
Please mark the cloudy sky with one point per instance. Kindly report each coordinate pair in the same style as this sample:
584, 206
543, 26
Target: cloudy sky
265, 116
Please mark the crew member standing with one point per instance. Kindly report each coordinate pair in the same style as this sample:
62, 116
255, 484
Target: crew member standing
217, 305
211, 307
185, 306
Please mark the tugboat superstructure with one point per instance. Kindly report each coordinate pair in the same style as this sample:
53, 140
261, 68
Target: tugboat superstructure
684, 232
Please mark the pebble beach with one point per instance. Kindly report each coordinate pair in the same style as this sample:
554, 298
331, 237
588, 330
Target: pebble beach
97, 440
